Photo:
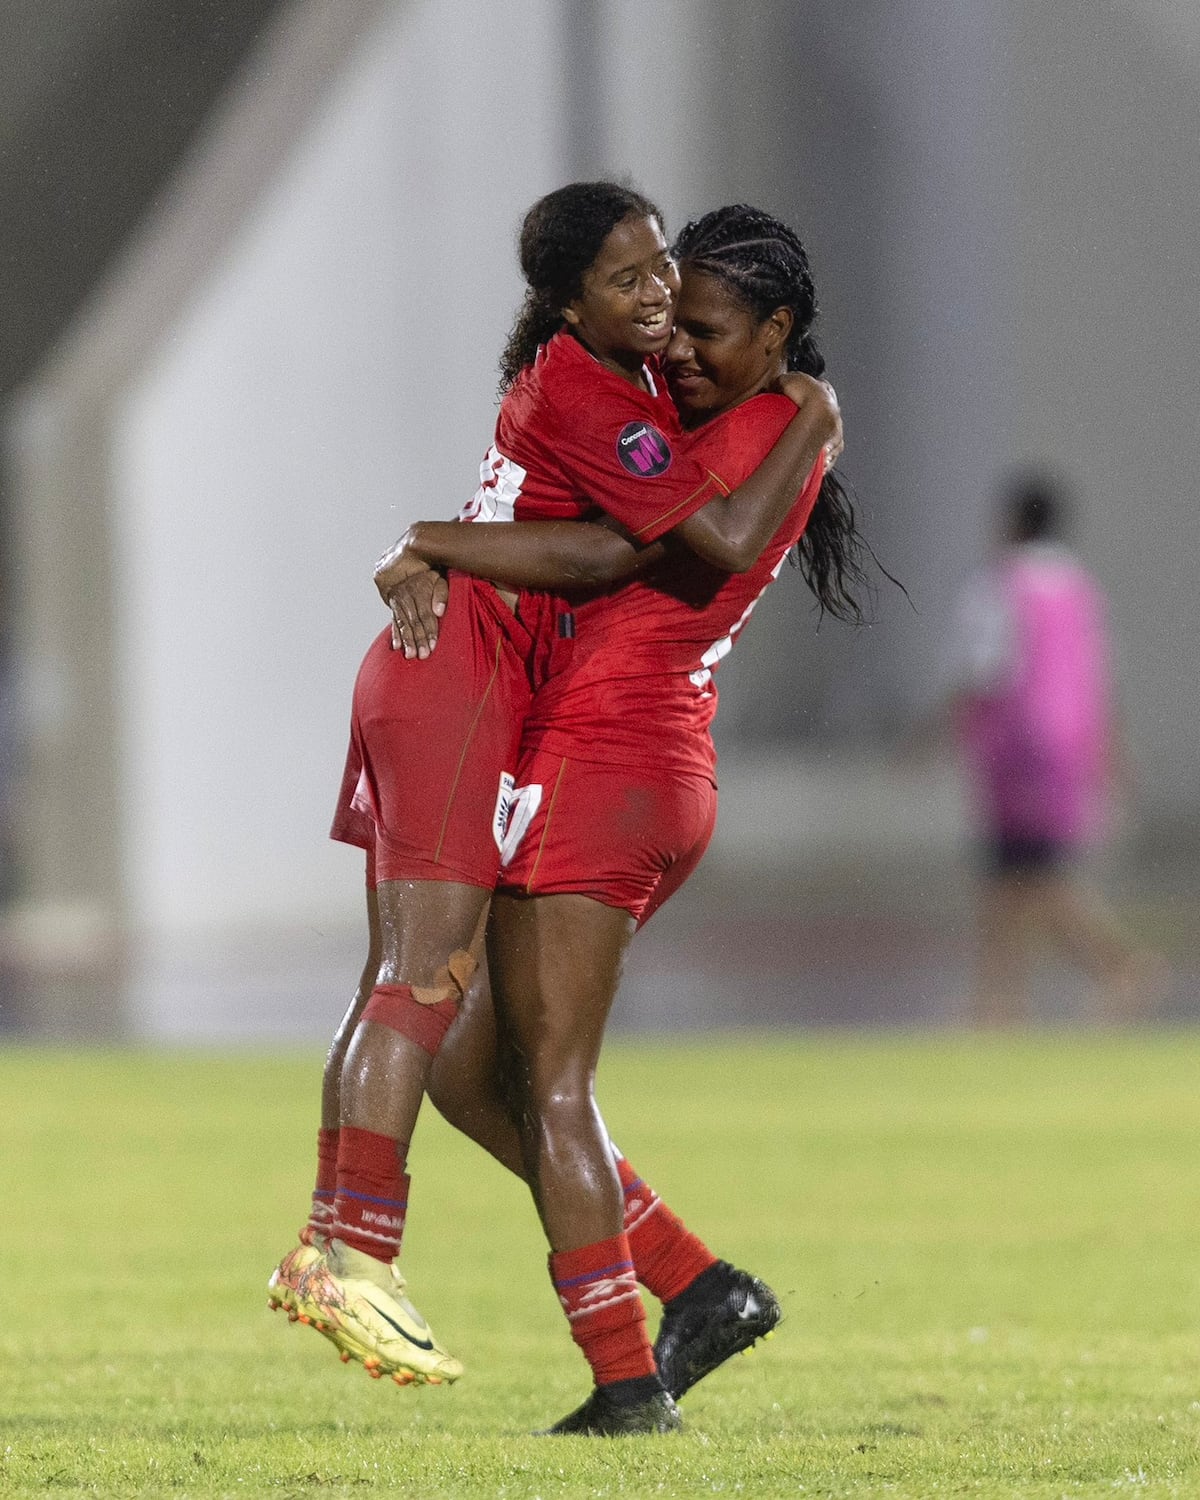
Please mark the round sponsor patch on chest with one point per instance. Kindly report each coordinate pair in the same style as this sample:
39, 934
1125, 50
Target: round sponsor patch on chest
643, 450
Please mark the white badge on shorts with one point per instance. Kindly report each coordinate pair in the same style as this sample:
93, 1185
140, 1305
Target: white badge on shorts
515, 807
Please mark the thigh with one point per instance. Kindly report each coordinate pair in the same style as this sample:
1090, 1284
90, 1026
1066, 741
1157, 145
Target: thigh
626, 837
555, 962
430, 931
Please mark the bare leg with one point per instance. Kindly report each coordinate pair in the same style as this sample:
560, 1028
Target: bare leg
555, 962
712, 1310
353, 1291
555, 965
384, 1074
1084, 928
285, 1279
1001, 996
331, 1081
1131, 980
421, 926
464, 1084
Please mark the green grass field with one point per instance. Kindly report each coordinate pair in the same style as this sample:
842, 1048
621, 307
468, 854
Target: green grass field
987, 1252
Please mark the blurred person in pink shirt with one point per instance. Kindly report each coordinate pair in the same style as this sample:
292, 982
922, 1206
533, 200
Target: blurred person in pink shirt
1035, 718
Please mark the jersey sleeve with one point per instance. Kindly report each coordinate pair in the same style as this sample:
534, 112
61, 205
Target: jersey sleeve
732, 446
619, 456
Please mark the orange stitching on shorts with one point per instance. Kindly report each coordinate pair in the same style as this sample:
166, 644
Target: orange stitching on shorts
546, 827
437, 853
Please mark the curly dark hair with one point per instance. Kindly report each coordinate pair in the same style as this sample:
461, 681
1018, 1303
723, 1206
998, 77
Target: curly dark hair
763, 263
561, 236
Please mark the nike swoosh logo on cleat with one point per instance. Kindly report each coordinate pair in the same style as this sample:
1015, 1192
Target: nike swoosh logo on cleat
404, 1334
750, 1309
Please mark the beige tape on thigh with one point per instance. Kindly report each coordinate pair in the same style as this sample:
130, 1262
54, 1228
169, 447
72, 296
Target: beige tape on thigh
450, 982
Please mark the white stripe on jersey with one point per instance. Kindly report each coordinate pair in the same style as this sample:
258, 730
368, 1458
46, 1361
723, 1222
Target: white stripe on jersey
724, 646
500, 482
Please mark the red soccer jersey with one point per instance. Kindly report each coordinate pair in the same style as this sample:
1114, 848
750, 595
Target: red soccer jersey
571, 436
638, 689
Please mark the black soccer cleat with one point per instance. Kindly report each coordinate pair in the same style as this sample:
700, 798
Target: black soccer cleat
724, 1312
601, 1416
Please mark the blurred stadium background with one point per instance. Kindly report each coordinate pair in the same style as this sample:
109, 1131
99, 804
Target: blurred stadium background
258, 265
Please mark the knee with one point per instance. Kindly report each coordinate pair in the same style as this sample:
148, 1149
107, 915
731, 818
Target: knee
511, 1082
529, 1087
545, 1081
434, 981
423, 1013
559, 1092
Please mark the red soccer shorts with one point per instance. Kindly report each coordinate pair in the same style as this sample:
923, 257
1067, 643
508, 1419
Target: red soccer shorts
626, 836
431, 742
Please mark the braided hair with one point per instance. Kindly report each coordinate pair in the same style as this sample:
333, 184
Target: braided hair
764, 265
561, 236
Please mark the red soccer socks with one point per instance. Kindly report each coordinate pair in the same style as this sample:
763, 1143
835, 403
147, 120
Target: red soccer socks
321, 1212
667, 1255
598, 1291
372, 1192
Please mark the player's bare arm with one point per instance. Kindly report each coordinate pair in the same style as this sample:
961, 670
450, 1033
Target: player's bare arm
560, 555
731, 530
532, 554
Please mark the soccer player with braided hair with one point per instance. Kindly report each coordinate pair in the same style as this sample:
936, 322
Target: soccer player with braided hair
761, 259
618, 800
586, 423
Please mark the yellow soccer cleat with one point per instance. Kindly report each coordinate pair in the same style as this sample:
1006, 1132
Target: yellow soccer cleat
359, 1302
285, 1278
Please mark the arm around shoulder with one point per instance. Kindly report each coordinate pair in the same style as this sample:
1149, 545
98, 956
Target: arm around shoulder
731, 531
532, 554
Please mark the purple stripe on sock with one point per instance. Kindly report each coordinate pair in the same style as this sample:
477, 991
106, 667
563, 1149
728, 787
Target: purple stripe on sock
624, 1265
366, 1198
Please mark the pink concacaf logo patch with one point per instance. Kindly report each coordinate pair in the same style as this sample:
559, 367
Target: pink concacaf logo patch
643, 450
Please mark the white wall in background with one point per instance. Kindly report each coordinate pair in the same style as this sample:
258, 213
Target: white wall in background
331, 381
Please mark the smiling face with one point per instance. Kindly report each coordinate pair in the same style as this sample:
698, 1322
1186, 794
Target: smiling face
624, 310
720, 354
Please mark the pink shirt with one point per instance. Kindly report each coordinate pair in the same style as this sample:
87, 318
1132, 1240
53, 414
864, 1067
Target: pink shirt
1036, 727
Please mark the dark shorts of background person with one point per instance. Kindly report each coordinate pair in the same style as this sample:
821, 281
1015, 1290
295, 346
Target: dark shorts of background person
1008, 854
